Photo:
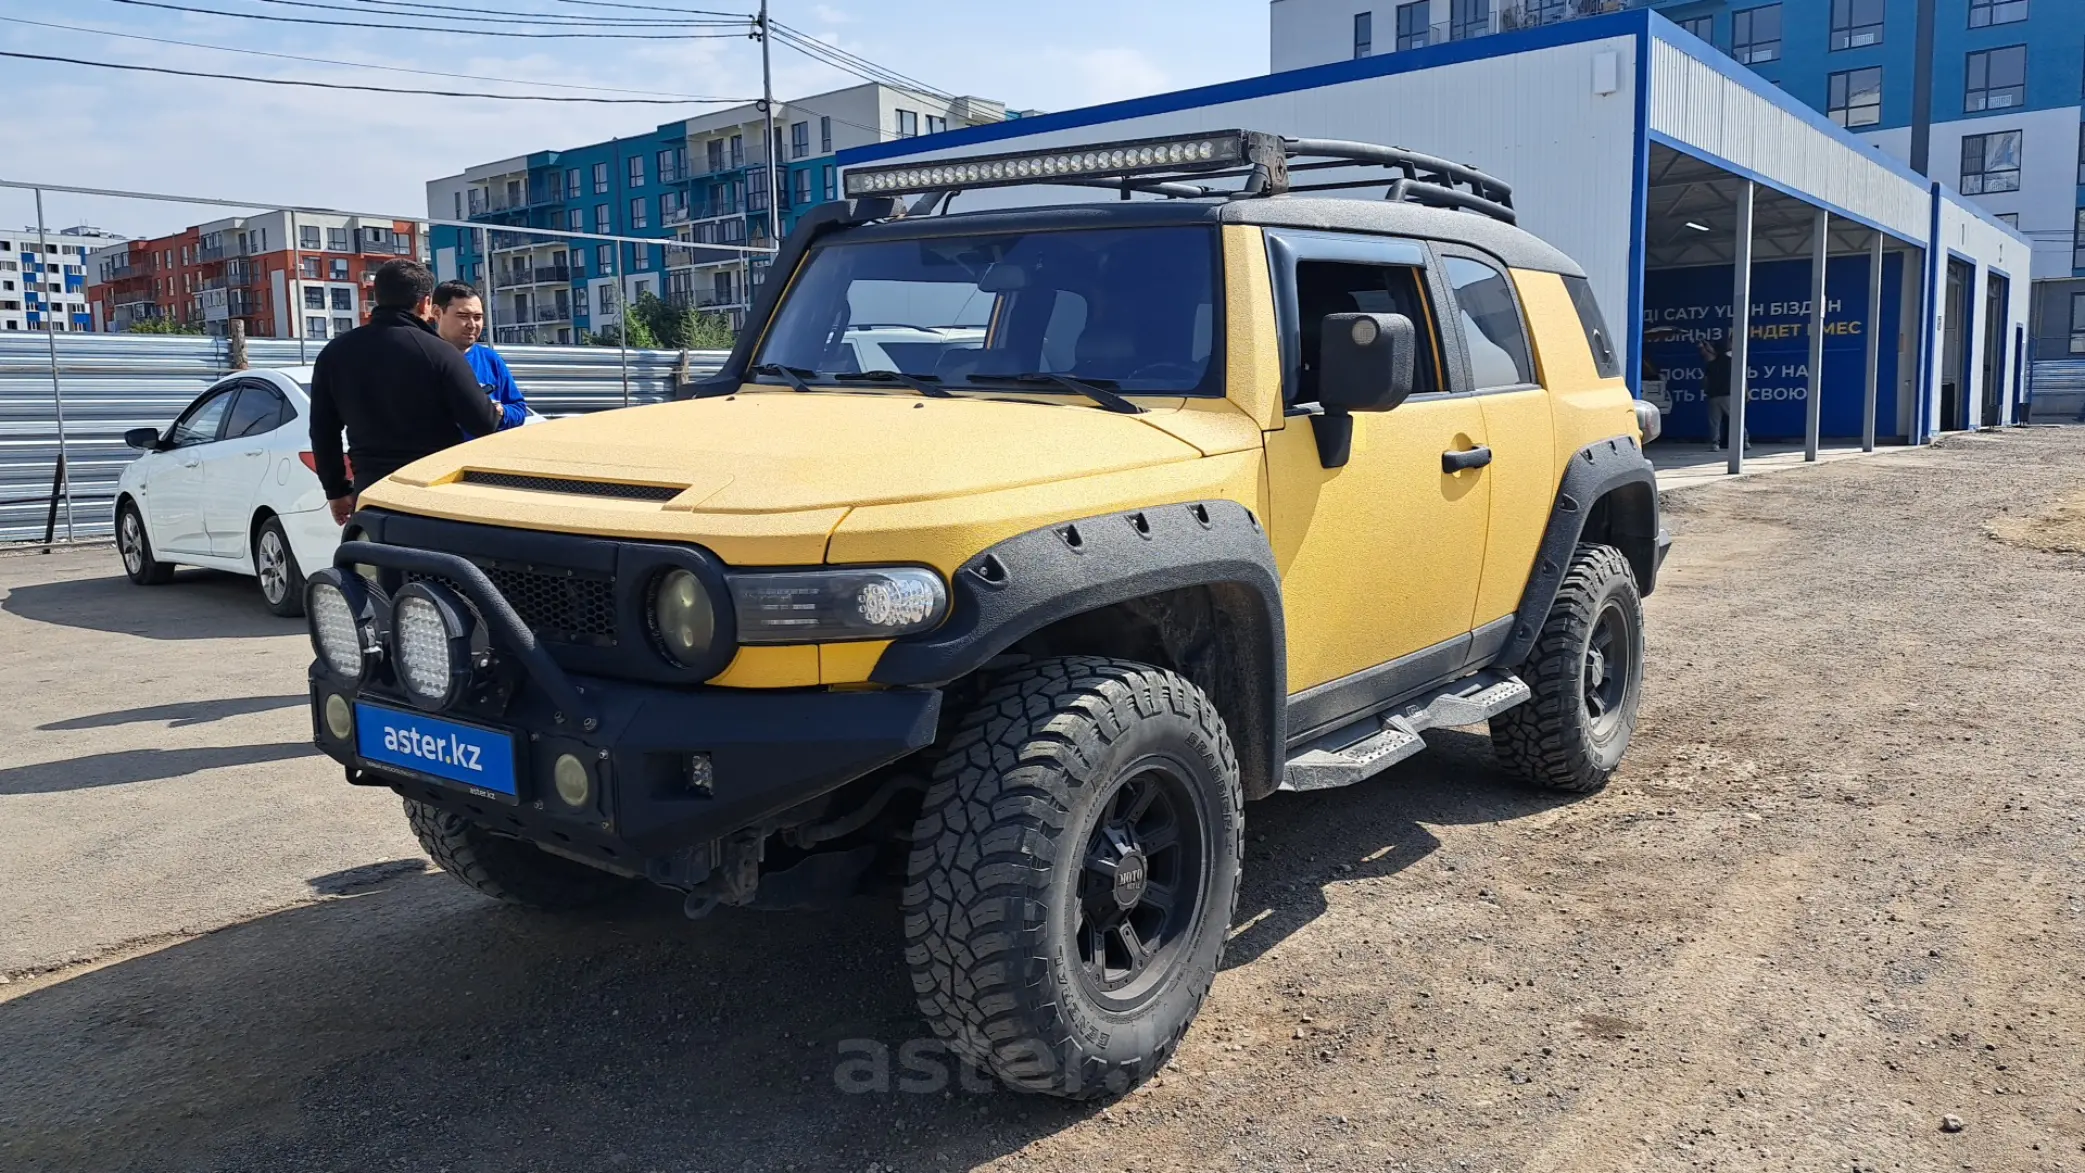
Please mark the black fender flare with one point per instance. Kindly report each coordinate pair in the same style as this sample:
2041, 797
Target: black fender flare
1027, 582
1614, 471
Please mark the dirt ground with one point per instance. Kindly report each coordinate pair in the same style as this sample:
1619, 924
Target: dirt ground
1830, 916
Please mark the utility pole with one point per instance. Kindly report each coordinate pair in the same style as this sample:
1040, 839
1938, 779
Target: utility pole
767, 107
1922, 91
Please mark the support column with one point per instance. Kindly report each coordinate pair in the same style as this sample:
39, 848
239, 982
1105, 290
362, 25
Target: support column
1820, 256
1741, 326
1869, 393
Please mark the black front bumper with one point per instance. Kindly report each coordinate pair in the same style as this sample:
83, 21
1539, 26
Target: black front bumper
762, 752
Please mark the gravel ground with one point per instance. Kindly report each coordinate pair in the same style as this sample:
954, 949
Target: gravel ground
1827, 918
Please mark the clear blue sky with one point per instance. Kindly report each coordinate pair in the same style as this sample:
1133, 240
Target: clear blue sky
373, 152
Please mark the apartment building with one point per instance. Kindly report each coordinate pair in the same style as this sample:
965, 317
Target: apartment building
282, 274
43, 280
2007, 86
698, 181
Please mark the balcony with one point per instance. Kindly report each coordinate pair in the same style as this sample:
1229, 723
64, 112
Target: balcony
241, 304
553, 313
1506, 17
699, 300
213, 252
140, 268
553, 275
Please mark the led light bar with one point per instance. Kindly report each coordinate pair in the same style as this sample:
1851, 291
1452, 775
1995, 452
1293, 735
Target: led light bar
1224, 150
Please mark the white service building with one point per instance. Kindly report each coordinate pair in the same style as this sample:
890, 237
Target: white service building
1641, 151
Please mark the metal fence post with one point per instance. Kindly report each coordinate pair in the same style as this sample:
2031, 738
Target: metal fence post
622, 335
62, 482
1741, 327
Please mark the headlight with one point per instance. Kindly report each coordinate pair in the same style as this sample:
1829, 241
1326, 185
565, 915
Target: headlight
431, 644
336, 626
683, 618
827, 606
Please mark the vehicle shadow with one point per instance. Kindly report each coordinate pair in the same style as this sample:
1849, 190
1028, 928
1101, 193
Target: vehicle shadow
122, 767
198, 604
414, 1024
180, 715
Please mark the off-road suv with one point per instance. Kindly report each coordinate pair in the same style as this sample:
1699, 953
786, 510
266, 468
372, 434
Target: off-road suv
1192, 494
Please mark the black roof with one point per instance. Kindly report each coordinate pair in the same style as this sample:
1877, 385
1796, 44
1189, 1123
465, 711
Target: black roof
1514, 246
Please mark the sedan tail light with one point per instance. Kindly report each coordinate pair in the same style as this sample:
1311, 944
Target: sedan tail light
312, 462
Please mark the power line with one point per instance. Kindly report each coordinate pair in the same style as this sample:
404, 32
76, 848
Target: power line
464, 32
478, 15
560, 85
641, 7
835, 55
327, 85
382, 7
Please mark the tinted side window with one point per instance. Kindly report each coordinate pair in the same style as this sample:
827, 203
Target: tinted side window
1605, 357
258, 411
199, 424
1490, 325
1324, 288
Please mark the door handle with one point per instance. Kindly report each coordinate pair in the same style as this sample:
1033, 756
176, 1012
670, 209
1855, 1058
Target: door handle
1453, 461
256, 452
191, 464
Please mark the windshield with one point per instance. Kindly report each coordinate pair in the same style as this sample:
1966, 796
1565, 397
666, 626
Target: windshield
1131, 309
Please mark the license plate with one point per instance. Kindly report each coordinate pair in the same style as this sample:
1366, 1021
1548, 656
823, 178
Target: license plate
478, 759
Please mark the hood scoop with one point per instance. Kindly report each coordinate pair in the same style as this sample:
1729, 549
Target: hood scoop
572, 487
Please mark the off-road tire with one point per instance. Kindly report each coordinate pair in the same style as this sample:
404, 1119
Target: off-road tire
280, 571
996, 908
134, 547
1553, 739
507, 869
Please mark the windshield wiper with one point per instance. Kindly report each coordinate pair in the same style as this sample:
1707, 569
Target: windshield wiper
794, 376
918, 383
1096, 393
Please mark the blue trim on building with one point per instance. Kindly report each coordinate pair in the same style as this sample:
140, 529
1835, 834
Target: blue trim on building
1927, 321
1639, 212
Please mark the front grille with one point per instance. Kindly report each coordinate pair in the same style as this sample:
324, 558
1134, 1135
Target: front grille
561, 607
507, 480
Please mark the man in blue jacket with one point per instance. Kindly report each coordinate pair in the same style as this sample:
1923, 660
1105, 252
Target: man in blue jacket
460, 320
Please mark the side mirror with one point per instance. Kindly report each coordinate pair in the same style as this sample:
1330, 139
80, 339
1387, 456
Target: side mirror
1365, 363
142, 439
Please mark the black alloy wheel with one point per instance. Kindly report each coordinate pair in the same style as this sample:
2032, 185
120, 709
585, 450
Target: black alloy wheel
1143, 885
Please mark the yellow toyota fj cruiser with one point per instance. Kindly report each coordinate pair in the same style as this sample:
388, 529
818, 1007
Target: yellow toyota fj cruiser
1142, 508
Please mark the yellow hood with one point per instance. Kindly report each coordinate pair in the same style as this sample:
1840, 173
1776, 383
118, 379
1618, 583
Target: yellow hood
784, 467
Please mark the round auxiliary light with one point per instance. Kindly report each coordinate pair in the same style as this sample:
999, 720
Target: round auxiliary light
1205, 150
340, 720
574, 786
1365, 331
684, 617
336, 630
431, 644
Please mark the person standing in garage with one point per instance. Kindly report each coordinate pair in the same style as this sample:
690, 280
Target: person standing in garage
399, 391
1716, 384
460, 320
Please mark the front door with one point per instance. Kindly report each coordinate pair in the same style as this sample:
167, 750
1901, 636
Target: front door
174, 495
1380, 559
1991, 392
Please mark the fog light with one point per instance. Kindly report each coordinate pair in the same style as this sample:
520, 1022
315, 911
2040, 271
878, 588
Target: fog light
573, 784
702, 774
340, 720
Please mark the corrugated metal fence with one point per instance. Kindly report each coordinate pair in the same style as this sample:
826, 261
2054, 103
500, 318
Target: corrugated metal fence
114, 382
2059, 391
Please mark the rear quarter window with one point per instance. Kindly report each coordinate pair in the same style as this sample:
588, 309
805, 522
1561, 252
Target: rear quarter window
1606, 358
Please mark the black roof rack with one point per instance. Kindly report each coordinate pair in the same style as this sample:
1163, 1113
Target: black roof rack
1200, 166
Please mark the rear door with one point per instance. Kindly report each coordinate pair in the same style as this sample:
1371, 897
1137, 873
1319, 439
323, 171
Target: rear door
175, 498
239, 464
1380, 559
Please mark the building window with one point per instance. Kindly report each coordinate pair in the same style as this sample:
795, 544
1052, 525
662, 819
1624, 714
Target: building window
575, 219
1984, 13
1755, 35
908, 124
803, 187
339, 267
1856, 24
573, 186
799, 140
2078, 312
1700, 26
601, 221
637, 171
1991, 163
738, 150
1411, 25
1996, 79
600, 179
2009, 219
1855, 97
314, 298
342, 325
315, 327
714, 150
936, 124
308, 268
825, 136
308, 236
1364, 34
337, 239
640, 216
826, 180
342, 299
1468, 18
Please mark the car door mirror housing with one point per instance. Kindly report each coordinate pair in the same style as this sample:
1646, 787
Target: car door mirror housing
142, 439
1366, 362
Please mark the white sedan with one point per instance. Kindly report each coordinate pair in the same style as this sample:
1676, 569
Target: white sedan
230, 486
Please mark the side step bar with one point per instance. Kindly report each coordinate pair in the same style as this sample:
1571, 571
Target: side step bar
1359, 751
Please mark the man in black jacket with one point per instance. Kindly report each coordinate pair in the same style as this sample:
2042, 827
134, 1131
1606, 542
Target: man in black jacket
400, 391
